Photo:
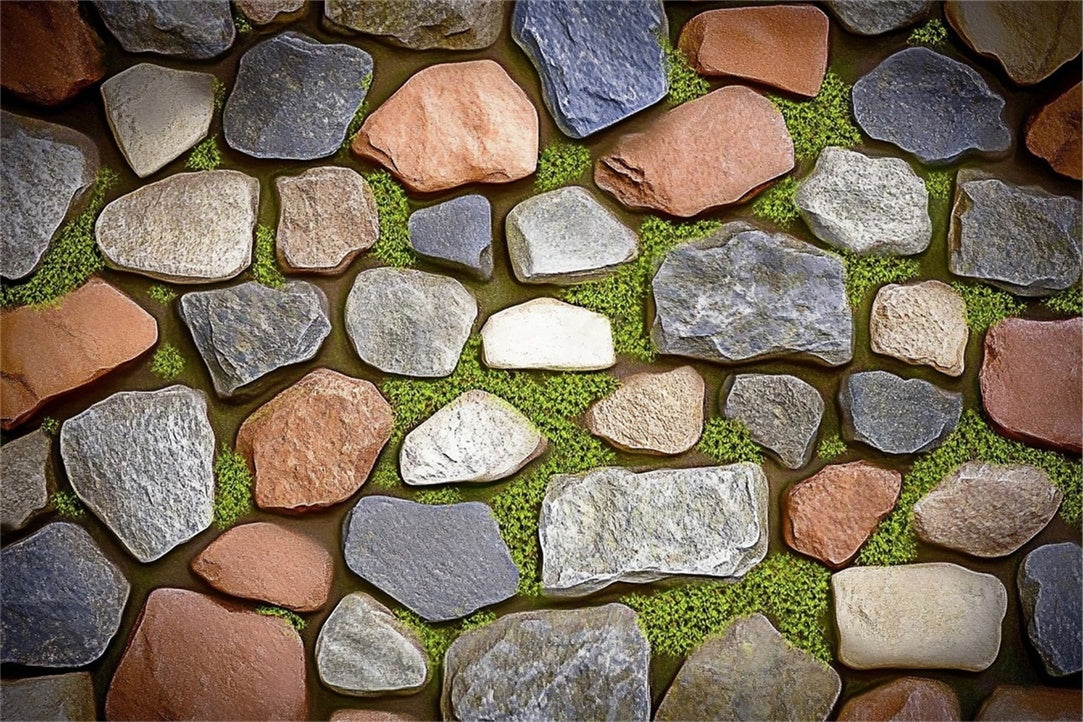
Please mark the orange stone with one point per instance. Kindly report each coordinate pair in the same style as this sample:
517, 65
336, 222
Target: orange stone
904, 699
1054, 133
1009, 703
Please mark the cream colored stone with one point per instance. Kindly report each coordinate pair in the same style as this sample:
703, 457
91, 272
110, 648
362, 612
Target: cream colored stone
921, 324
545, 333
660, 413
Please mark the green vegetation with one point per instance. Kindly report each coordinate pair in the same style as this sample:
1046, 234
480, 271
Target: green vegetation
561, 164
728, 441
436, 638
443, 495
50, 426
295, 620
684, 82
938, 184
821, 121
865, 274
233, 496
205, 156
219, 94
932, 34
241, 23
68, 505
831, 447
161, 294
359, 115
777, 204
265, 268
168, 363
393, 246
986, 306
1069, 301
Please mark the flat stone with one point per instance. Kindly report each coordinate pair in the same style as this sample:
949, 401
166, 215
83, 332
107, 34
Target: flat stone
611, 525
27, 466
294, 97
191, 656
897, 415
62, 599
452, 124
441, 561
599, 61
264, 12
932, 106
247, 331
830, 515
88, 333
409, 322
875, 17
923, 324
710, 152
423, 24
186, 228
932, 616
363, 650
905, 698
867, 205
192, 31
751, 673
456, 233
1049, 580
545, 333
656, 413
54, 697
1055, 133
781, 412
744, 294
1010, 703
371, 715
988, 510
556, 664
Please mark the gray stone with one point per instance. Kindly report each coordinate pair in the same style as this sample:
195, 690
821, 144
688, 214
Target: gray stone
552, 664
65, 697
441, 561
781, 412
263, 12
897, 415
62, 599
545, 333
295, 97
245, 332
611, 524
456, 233
423, 24
141, 461
921, 323
193, 30
1049, 579
27, 479
874, 17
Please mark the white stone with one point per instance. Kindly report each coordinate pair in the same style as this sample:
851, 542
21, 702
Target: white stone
545, 333
921, 324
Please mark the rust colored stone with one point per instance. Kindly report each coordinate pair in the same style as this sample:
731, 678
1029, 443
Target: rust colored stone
909, 699
1054, 133
1009, 703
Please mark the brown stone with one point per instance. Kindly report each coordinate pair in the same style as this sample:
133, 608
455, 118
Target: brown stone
48, 351
370, 715
262, 12
1054, 133
907, 698
709, 152
1032, 381
1009, 703
193, 657
314, 444
660, 413
54, 697
268, 563
452, 124
830, 515
784, 46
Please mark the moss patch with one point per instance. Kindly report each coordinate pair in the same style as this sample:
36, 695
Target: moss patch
50, 426
265, 268
436, 638
561, 164
233, 495
168, 363
986, 306
359, 115
296, 620
728, 441
821, 121
932, 34
393, 246
161, 294
241, 23
205, 156
776, 204
443, 495
938, 184
68, 505
865, 274
831, 447
1069, 301
684, 82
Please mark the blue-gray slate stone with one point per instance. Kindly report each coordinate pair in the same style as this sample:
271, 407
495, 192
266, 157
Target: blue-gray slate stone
1049, 579
781, 412
192, 29
873, 17
456, 233
897, 415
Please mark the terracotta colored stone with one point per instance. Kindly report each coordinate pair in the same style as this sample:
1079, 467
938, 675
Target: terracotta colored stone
268, 563
903, 699
1009, 703
51, 350
784, 46
452, 124
830, 515
709, 152
1054, 133
1032, 381
193, 657
314, 444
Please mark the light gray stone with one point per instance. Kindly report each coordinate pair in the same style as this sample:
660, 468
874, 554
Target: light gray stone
781, 412
545, 333
875, 17
27, 477
1049, 580
897, 415
193, 30
67, 697
456, 233
659, 413
922, 324
423, 24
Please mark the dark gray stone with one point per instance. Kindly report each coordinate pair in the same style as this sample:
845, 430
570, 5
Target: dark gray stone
456, 233
423, 24
781, 412
26, 479
897, 415
1049, 579
54, 697
192, 29
874, 17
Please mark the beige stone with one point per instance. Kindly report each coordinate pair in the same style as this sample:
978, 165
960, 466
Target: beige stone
659, 413
262, 12
921, 324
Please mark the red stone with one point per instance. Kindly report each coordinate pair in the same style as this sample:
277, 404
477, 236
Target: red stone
1009, 703
1054, 133
910, 699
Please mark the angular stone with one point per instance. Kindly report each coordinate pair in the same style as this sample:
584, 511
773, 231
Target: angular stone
922, 324
782, 413
263, 12
558, 664
1055, 133
1009, 703
62, 599
1049, 580
751, 673
656, 413
55, 697
897, 415
422, 24
456, 233
875, 17
932, 106
442, 561
27, 479
188, 30
905, 698
713, 151
545, 333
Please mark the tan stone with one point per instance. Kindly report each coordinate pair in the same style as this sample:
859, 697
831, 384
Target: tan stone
262, 12
370, 715
659, 413
1010, 703
1055, 133
921, 324
904, 700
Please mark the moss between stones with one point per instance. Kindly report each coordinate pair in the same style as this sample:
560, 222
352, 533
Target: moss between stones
296, 620
821, 121
161, 294
393, 245
938, 184
68, 505
986, 306
443, 495
168, 363
932, 34
359, 115
684, 82
50, 426
265, 268
241, 23
1069, 301
831, 447
436, 638
777, 204
560, 164
728, 441
233, 495
205, 156
864, 274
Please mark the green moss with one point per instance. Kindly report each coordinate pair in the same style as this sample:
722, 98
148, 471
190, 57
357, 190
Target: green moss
68, 505
205, 156
728, 441
241, 23
831, 447
822, 121
393, 246
443, 495
777, 204
168, 363
161, 294
436, 638
296, 620
359, 115
938, 184
865, 274
561, 164
219, 94
684, 82
986, 306
932, 34
1069, 301
233, 496
265, 268
50, 426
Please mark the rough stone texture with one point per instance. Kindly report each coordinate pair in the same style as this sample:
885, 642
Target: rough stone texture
874, 17
709, 152
1032, 381
456, 233
409, 322
314, 444
294, 97
423, 24
1009, 703
55, 697
751, 673
188, 30
902, 699
545, 333
27, 479
781, 412
932, 106
830, 515
193, 657
364, 650
922, 324
371, 715
897, 415
90, 332
62, 599
263, 12
1049, 580
247, 331
557, 664
186, 228
744, 294
611, 524
987, 510
657, 413
442, 561
452, 124
873, 206
1055, 133
934, 616
599, 61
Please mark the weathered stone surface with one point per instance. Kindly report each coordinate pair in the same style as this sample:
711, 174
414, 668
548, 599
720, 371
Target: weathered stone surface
186, 228
932, 106
27, 479
897, 415
658, 413
295, 97
423, 24
830, 515
371, 715
1009, 703
874, 206
456, 233
189, 30
751, 673
364, 650
442, 561
247, 331
922, 324
988, 510
558, 664
90, 332
193, 657
409, 322
1055, 133
905, 698
611, 524
935, 616
545, 333
782, 413
874, 17
709, 152
1049, 580
744, 294
55, 697
61, 598
263, 12
314, 444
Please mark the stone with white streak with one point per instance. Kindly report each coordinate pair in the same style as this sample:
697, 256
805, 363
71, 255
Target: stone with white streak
545, 333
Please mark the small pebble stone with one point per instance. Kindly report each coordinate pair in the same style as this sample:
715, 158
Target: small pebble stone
655, 413
897, 415
922, 324
456, 233
545, 333
781, 412
1049, 580
27, 466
